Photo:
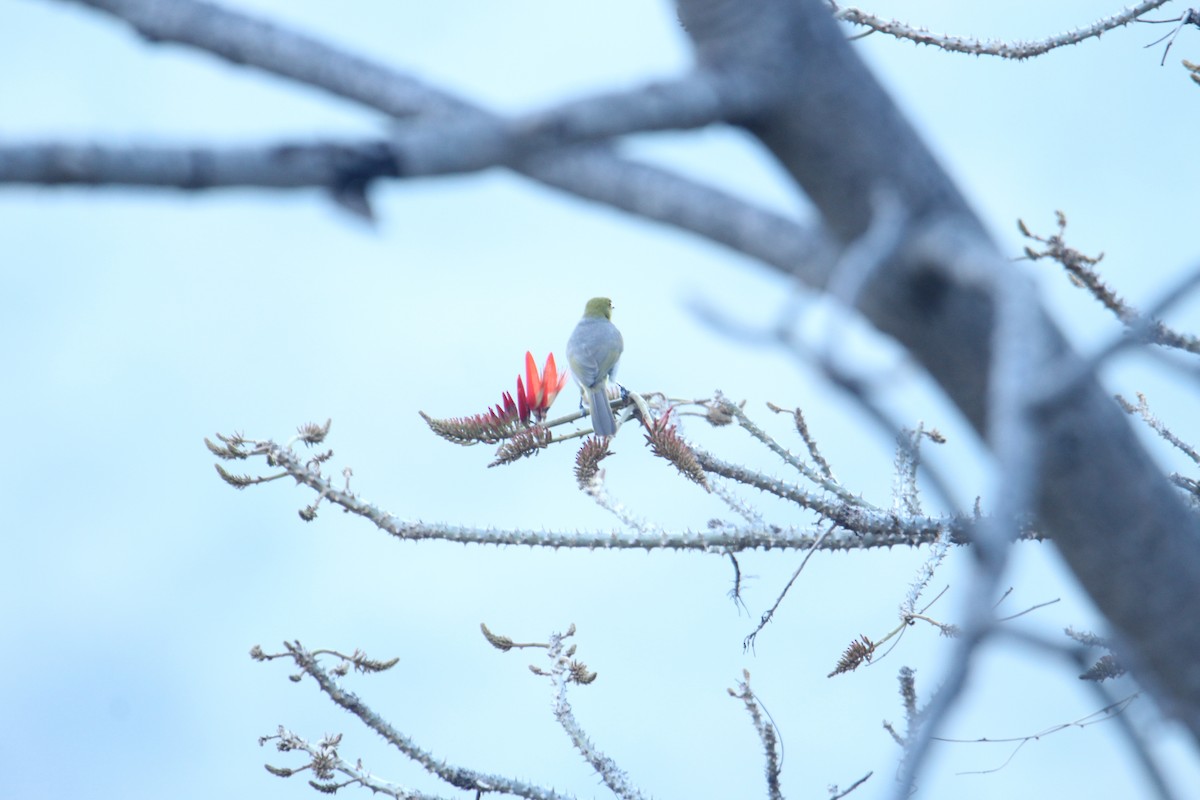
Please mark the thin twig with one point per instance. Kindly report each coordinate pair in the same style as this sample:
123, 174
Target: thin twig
748, 642
1014, 50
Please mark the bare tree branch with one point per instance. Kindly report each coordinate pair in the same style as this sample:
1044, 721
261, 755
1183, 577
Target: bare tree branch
459, 777
563, 671
1122, 527
280, 165
591, 172
862, 528
1015, 50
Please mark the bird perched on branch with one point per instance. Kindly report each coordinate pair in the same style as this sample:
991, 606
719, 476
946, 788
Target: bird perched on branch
593, 351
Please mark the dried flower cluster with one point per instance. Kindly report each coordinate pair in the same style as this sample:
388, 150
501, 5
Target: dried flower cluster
524, 442
860, 651
587, 460
662, 436
1107, 666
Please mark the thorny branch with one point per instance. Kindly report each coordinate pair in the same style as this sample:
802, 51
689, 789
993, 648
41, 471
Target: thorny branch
1081, 270
978, 47
326, 761
859, 524
768, 734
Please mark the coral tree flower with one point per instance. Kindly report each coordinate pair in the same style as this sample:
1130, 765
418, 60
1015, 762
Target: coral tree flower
516, 417
539, 390
535, 393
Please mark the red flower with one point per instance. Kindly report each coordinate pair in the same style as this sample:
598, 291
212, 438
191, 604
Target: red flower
539, 391
535, 393
507, 411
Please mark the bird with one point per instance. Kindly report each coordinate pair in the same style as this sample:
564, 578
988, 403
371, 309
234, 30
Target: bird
592, 352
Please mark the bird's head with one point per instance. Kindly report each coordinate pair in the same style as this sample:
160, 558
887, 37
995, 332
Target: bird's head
598, 307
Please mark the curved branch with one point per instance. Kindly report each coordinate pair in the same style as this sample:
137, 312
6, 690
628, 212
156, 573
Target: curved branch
247, 41
458, 777
1016, 50
591, 172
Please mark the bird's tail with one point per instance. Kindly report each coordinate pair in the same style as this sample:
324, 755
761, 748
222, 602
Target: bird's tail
603, 421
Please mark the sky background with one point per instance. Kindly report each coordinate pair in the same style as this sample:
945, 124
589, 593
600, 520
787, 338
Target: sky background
136, 323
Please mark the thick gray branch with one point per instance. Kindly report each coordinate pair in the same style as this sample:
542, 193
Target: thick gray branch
638, 188
1125, 532
245, 40
430, 145
281, 165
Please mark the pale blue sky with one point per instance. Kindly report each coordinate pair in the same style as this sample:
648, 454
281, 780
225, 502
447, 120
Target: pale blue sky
138, 323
